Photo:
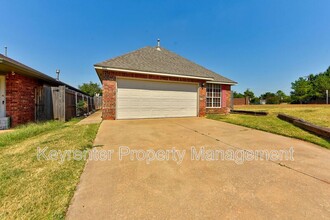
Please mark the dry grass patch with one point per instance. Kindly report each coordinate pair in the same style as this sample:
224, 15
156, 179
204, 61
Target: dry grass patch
39, 189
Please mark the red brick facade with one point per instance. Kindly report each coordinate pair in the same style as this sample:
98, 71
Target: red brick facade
109, 98
20, 98
110, 88
225, 102
202, 101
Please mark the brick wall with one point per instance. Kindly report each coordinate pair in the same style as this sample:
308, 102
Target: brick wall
202, 101
225, 102
110, 87
20, 98
241, 101
109, 97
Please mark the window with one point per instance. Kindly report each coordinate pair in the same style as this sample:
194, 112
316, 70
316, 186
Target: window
213, 95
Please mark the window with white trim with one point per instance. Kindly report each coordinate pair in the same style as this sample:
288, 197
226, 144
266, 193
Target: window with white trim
213, 95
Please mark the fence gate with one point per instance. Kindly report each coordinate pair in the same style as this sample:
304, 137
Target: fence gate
43, 102
60, 103
58, 96
70, 104
97, 101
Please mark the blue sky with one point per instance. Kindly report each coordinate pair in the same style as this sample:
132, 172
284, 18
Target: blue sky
263, 45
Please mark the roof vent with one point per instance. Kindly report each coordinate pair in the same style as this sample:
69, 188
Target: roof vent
58, 75
158, 44
6, 50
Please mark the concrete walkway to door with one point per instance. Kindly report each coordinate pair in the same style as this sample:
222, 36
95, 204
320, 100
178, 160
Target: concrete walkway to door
258, 189
94, 118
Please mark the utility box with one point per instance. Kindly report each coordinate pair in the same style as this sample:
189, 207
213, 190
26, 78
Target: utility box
4, 123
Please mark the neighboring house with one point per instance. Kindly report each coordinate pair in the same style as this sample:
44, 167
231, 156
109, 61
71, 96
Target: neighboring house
19, 87
154, 82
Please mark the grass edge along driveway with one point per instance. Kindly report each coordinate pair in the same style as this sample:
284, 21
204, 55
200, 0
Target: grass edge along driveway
39, 189
272, 124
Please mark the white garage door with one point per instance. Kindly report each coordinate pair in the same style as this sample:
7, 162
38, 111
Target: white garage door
153, 99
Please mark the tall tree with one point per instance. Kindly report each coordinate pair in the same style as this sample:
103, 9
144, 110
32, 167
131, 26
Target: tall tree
271, 98
91, 88
281, 96
322, 83
249, 93
238, 95
302, 90
312, 87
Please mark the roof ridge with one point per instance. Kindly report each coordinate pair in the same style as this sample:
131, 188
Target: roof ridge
151, 59
194, 63
191, 61
127, 53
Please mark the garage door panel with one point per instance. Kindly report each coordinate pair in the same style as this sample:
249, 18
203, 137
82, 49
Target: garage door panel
149, 99
153, 85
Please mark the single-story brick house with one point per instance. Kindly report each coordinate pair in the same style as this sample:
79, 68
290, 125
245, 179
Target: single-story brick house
18, 85
154, 82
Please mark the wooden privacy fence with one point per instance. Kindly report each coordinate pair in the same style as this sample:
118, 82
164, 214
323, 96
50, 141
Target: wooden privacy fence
58, 98
61, 103
44, 103
97, 102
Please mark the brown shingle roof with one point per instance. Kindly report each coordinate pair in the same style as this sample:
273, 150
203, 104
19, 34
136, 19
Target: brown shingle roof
151, 59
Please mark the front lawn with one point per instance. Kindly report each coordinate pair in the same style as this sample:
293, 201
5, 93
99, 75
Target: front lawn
318, 114
40, 189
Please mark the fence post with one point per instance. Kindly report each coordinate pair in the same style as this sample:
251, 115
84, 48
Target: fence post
76, 103
58, 96
87, 104
83, 100
62, 103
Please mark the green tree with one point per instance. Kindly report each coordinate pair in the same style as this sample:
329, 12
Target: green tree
322, 83
282, 97
91, 88
302, 90
238, 95
312, 87
271, 98
255, 100
249, 93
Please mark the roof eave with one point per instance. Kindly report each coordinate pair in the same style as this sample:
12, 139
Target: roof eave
97, 67
226, 83
28, 71
36, 74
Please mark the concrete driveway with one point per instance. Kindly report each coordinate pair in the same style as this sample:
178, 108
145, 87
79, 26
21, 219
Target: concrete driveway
260, 189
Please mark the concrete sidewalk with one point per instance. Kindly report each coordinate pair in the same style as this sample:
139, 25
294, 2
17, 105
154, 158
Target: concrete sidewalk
94, 118
258, 189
